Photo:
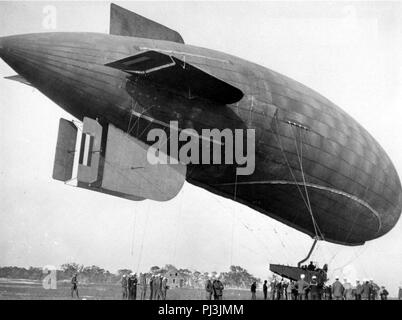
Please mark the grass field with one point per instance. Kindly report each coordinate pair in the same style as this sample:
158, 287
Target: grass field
11, 289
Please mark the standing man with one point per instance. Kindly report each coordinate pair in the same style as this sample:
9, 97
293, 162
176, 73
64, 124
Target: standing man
209, 289
273, 288
358, 290
253, 290
164, 288
337, 290
265, 290
374, 290
129, 287
302, 287
314, 290
365, 290
285, 290
143, 286
151, 287
278, 290
74, 286
132, 287
218, 289
158, 287
348, 293
289, 290
124, 285
328, 292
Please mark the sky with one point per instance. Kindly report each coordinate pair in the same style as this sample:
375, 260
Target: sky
350, 52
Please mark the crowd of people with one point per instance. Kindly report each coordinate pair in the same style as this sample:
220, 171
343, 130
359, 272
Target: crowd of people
314, 290
155, 287
133, 287
156, 284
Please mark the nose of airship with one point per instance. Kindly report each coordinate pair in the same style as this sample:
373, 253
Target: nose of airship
30, 56
6, 44
14, 50
2, 46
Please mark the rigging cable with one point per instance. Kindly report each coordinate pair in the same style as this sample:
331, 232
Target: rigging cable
178, 225
300, 157
133, 237
233, 220
142, 240
279, 140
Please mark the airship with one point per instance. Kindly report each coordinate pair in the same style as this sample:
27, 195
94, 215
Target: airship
315, 168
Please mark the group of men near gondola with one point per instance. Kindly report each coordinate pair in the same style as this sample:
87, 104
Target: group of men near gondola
315, 290
157, 285
365, 290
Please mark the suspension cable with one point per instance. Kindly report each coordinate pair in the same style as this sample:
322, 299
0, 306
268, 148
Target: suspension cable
300, 157
279, 140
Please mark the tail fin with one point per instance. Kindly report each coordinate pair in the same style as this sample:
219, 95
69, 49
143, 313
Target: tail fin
126, 23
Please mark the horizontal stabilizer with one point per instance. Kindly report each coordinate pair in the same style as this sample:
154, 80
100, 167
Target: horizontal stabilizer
174, 73
96, 188
127, 169
112, 162
126, 23
19, 79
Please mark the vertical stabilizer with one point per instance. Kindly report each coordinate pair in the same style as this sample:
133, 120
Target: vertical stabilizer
126, 23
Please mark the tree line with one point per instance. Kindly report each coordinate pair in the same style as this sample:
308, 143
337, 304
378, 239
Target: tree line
236, 276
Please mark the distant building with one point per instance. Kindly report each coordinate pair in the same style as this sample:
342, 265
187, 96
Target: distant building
176, 279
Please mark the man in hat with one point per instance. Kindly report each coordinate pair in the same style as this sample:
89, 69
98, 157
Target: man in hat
273, 288
151, 288
348, 290
132, 286
337, 290
265, 289
291, 290
124, 287
311, 266
328, 292
374, 290
253, 290
142, 286
165, 287
209, 289
218, 289
74, 286
278, 290
301, 286
158, 287
358, 290
365, 290
314, 290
